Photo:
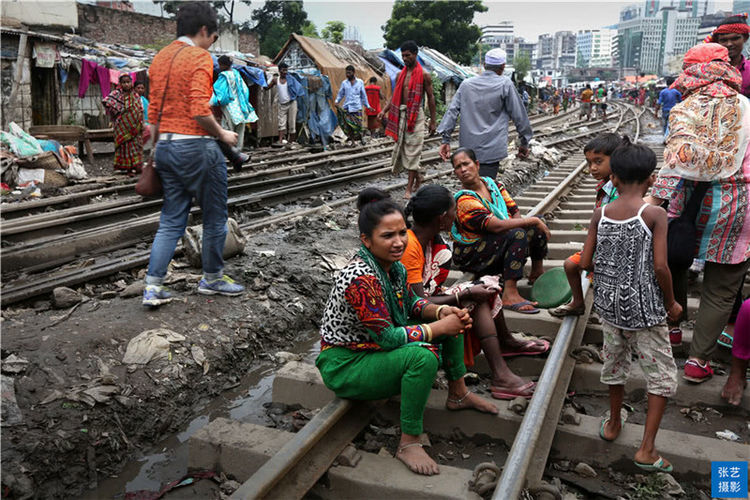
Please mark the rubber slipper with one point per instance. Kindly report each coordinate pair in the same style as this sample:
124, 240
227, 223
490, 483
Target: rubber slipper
566, 310
723, 343
501, 394
517, 307
623, 419
528, 345
657, 466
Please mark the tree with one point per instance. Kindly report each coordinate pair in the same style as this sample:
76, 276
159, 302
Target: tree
334, 31
278, 19
446, 26
224, 8
521, 65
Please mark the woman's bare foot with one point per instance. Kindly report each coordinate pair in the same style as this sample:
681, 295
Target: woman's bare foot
411, 453
470, 400
733, 389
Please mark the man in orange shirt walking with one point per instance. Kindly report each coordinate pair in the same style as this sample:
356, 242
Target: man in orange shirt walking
187, 156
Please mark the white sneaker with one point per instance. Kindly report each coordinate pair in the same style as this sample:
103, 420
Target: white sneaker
284, 141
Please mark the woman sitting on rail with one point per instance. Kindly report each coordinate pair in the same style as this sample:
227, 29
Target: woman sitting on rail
379, 339
491, 236
427, 259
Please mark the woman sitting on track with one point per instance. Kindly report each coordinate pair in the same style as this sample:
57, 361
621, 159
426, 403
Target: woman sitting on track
379, 339
491, 236
427, 259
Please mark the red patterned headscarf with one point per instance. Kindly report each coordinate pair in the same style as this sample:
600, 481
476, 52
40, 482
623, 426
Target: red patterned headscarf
741, 28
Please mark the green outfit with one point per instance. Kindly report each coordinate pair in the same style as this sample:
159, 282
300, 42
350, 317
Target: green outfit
371, 345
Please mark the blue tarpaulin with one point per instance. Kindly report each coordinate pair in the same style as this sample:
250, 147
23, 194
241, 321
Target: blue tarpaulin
431, 60
256, 75
312, 106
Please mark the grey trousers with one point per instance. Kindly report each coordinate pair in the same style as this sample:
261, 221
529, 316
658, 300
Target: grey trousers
720, 285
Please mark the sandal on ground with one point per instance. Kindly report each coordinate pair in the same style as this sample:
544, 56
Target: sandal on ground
498, 393
566, 310
658, 466
695, 372
526, 349
725, 339
517, 307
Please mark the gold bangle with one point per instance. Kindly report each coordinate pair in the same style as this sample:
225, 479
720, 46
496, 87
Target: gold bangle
427, 332
458, 300
437, 312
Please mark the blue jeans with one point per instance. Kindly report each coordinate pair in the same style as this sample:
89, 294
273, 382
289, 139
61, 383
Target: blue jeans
665, 122
191, 168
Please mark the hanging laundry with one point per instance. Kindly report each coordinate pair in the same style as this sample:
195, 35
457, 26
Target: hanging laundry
93, 73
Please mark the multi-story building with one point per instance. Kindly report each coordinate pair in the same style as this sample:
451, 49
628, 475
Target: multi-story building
595, 48
656, 43
565, 49
557, 51
695, 8
498, 35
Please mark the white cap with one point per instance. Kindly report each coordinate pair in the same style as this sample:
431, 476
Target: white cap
495, 57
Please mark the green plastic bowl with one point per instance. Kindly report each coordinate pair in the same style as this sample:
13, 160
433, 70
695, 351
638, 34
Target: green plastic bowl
551, 289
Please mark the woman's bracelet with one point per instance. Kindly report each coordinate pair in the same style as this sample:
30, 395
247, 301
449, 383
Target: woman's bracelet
427, 332
458, 300
437, 312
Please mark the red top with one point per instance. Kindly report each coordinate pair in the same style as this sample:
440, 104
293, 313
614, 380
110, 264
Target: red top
373, 97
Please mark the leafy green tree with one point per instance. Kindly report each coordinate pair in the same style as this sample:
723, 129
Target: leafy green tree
278, 19
334, 31
224, 8
521, 65
444, 25
310, 30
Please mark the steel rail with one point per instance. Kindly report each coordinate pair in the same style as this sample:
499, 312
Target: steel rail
515, 473
25, 290
9, 210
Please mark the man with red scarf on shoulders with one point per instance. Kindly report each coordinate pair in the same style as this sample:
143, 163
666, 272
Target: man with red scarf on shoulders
732, 33
405, 113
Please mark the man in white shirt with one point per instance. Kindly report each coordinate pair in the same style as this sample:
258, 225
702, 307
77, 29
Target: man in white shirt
287, 104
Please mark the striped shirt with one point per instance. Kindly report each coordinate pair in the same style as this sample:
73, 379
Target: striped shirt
190, 88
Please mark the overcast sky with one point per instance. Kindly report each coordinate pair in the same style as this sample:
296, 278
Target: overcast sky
531, 17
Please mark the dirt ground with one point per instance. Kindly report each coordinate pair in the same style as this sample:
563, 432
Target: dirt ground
82, 414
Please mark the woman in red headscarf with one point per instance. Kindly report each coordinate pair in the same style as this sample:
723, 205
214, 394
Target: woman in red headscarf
732, 33
706, 172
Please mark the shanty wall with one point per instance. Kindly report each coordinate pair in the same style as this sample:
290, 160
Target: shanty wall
132, 28
20, 112
87, 111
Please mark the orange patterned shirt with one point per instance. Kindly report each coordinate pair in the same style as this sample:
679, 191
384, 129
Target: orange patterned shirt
190, 87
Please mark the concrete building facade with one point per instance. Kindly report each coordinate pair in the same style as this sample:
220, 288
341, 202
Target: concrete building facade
595, 48
655, 43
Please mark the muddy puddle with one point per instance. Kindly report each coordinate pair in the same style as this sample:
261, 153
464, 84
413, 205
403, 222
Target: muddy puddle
168, 460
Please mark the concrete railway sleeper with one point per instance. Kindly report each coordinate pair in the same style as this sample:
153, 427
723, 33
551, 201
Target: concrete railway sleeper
57, 250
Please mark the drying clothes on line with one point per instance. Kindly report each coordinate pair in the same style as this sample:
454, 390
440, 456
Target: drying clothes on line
93, 73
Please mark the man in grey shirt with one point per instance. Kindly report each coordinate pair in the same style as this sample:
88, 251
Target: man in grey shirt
486, 103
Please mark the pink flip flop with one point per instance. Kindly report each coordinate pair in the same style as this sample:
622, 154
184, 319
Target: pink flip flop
499, 394
528, 345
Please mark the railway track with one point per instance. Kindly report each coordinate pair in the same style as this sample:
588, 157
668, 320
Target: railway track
553, 425
74, 245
